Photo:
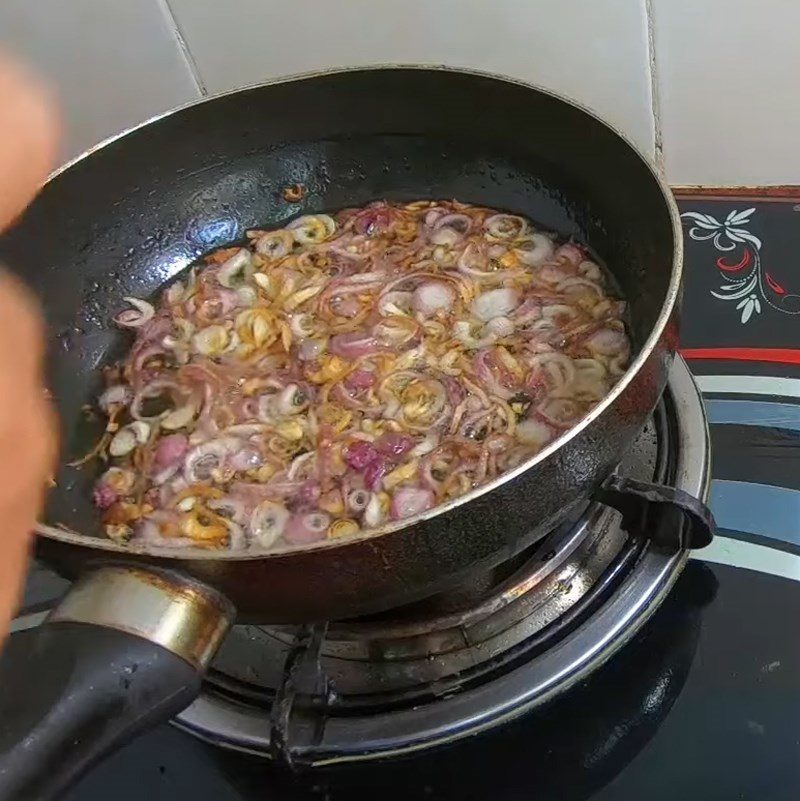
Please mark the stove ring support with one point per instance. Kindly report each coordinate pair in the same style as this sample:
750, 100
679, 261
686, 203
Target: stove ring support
230, 725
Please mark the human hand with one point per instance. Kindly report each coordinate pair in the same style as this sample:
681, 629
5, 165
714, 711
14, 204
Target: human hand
28, 137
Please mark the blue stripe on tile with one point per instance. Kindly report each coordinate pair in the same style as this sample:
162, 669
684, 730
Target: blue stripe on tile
771, 512
767, 414
782, 546
734, 552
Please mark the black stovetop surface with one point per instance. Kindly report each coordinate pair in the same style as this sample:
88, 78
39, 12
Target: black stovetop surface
705, 702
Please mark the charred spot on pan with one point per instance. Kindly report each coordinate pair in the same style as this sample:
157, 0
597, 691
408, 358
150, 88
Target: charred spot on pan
294, 193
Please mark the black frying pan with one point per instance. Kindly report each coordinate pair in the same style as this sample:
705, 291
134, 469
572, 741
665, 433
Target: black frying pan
127, 217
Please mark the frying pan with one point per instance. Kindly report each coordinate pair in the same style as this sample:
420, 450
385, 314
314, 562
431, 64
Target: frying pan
131, 214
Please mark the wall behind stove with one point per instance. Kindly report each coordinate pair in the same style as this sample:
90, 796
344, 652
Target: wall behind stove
728, 90
709, 88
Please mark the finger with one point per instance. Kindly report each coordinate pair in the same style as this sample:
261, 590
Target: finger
22, 489
22, 335
27, 435
29, 130
27, 418
12, 567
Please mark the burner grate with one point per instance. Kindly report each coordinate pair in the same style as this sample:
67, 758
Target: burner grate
458, 663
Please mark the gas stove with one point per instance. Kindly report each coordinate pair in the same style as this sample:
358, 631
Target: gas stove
703, 700
468, 661
464, 662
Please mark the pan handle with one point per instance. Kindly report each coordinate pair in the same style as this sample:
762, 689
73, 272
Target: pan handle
664, 514
125, 650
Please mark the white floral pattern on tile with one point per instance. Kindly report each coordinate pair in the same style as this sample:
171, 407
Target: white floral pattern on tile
744, 280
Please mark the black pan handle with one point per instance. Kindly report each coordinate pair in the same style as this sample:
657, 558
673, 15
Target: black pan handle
124, 651
664, 514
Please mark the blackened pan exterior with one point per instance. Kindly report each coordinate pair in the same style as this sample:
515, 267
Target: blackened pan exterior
124, 219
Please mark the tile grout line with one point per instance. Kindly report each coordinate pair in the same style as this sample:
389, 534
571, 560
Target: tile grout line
655, 104
184, 47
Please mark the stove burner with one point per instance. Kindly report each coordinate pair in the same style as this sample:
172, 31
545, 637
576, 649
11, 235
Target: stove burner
465, 661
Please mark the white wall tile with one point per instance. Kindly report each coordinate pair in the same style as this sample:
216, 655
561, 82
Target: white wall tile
594, 51
114, 62
729, 90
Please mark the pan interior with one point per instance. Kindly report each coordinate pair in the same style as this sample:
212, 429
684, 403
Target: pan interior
134, 214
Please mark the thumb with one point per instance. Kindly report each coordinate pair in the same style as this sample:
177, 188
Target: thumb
29, 131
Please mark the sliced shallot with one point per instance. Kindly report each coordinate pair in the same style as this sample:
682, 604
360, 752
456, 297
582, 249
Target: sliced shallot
180, 417
275, 244
312, 229
137, 316
303, 529
432, 297
495, 303
534, 432
267, 522
128, 437
203, 460
117, 395
571, 253
506, 226
536, 250
233, 271
168, 457
608, 342
354, 345
411, 501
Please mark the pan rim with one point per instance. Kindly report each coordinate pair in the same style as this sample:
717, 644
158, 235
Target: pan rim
672, 294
